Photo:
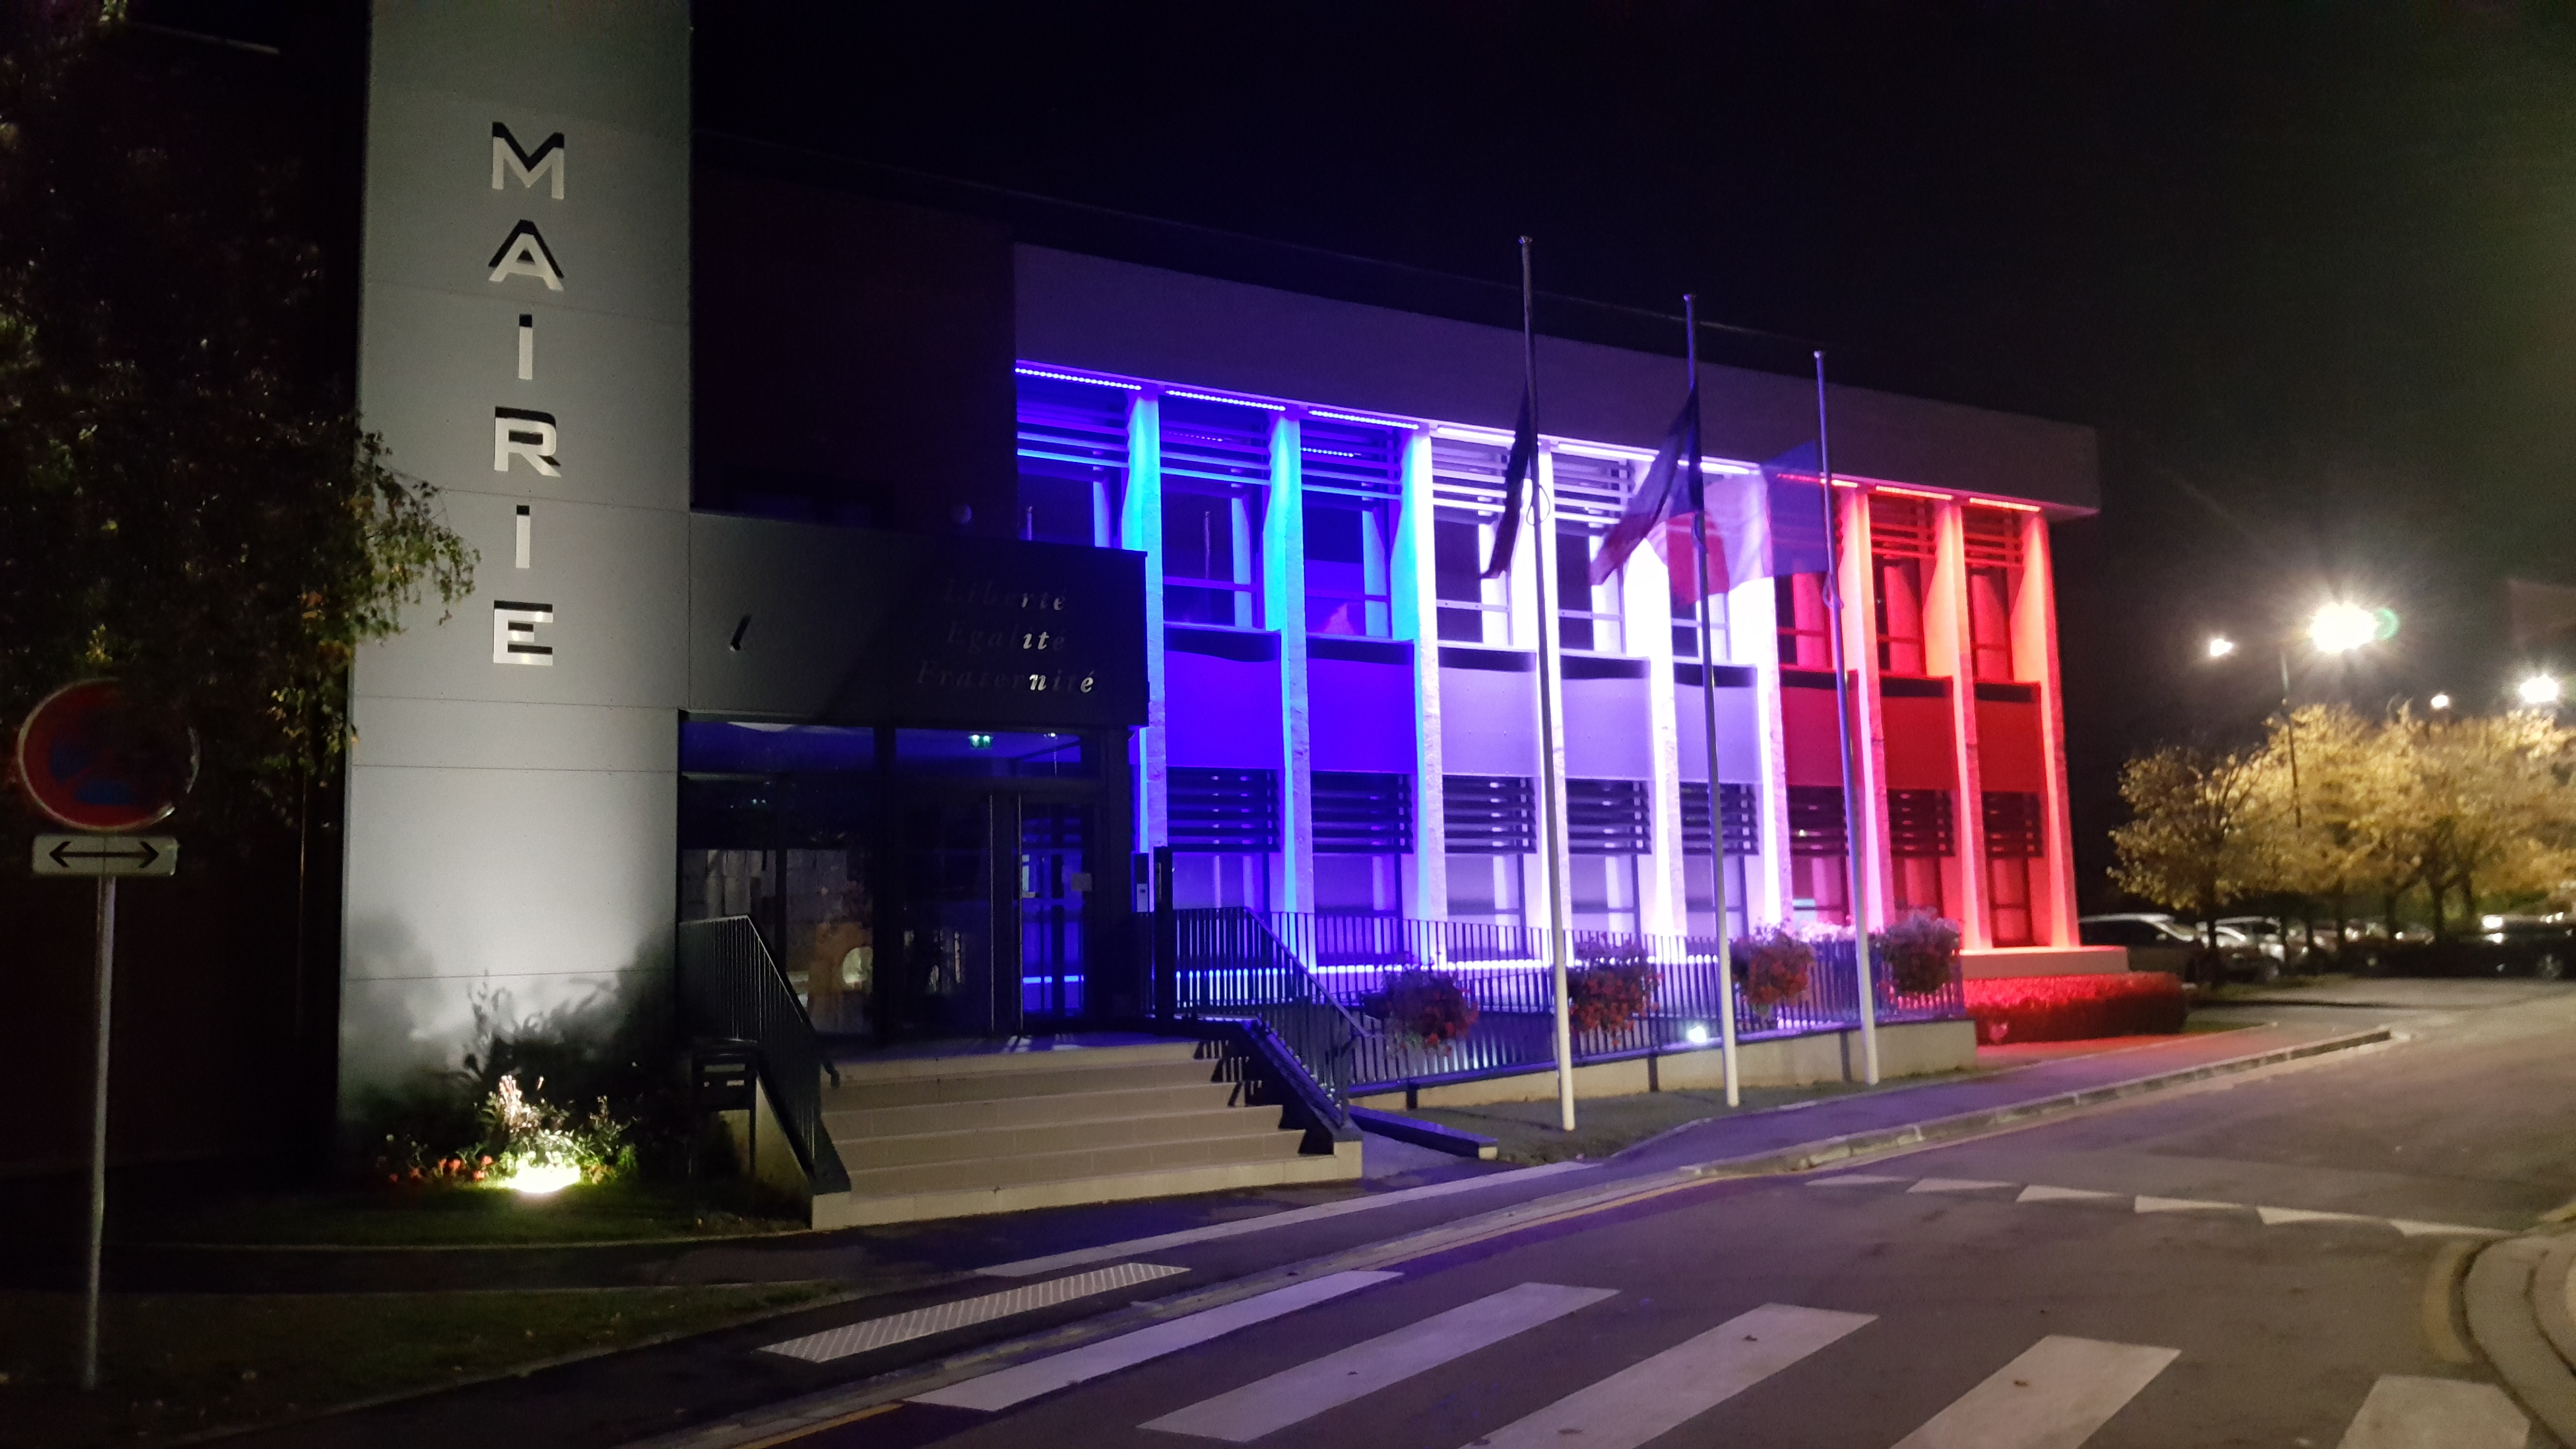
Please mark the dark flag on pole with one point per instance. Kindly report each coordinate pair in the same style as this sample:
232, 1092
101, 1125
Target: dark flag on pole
1516, 475
1658, 496
1794, 489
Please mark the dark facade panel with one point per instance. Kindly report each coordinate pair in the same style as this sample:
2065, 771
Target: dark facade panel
817, 624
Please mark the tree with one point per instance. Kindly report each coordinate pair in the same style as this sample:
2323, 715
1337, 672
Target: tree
2194, 842
187, 500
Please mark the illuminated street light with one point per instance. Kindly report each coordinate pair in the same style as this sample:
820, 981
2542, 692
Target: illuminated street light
2440, 701
2539, 690
2342, 628
2220, 646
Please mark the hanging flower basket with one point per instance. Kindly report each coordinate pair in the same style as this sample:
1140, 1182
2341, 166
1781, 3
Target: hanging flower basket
1428, 1007
1605, 996
1921, 954
1771, 968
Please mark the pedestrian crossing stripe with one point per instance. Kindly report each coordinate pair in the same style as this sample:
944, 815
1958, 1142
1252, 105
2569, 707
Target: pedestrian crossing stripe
2056, 1394
875, 1333
2405, 1412
2038, 1193
1954, 1184
1294, 1395
2146, 1203
1022, 1382
2182, 1205
1660, 1394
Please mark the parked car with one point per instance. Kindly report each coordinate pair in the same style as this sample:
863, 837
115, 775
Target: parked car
2265, 934
2540, 947
2158, 942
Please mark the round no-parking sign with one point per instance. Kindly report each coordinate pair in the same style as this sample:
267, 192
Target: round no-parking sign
97, 760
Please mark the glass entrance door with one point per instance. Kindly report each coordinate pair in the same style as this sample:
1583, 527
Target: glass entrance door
1055, 882
945, 985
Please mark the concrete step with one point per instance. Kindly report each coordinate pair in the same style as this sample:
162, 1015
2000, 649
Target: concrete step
852, 1210
988, 1173
1058, 1137
993, 1113
973, 1058
968, 1085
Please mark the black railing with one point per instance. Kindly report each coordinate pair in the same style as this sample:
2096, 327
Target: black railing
731, 989
1228, 964
1234, 962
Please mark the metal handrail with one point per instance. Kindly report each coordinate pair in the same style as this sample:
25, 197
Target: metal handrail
1230, 964
731, 987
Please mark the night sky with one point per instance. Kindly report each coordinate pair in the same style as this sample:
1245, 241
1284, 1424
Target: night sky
2310, 269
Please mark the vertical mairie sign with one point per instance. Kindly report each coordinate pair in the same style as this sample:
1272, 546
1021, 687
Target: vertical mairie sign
524, 346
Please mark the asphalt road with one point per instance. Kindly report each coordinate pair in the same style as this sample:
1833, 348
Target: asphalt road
1933, 1295
2110, 1279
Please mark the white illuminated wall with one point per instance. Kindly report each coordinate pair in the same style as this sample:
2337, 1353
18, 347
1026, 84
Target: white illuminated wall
525, 349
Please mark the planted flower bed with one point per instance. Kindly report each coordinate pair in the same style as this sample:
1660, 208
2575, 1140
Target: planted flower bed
2075, 1008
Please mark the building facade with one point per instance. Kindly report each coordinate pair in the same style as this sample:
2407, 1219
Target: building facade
905, 584
1346, 712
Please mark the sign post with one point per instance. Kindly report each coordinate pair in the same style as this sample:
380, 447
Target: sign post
98, 762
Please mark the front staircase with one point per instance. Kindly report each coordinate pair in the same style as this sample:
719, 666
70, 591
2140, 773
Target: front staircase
995, 1128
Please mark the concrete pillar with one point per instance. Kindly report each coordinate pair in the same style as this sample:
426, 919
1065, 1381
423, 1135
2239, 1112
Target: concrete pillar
1645, 608
1413, 583
1140, 527
2035, 660
1283, 608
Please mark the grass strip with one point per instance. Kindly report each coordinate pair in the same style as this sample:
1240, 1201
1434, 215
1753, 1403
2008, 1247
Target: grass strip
183, 1364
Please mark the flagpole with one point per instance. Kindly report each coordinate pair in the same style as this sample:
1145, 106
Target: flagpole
1843, 715
1552, 839
1708, 720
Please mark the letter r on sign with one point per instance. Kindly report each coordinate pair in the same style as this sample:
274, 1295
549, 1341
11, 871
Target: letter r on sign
518, 433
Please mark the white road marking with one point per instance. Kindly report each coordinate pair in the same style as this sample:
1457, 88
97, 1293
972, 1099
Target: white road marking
1954, 1184
2052, 1397
2274, 1217
2414, 1229
1030, 1267
2404, 1412
2182, 1205
852, 1338
1294, 1395
1021, 1382
1662, 1393
2037, 1193
1853, 1179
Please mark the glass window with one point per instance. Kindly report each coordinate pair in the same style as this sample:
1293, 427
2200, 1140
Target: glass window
1485, 888
1472, 607
1216, 484
1587, 618
1073, 459
1346, 567
1994, 552
1804, 642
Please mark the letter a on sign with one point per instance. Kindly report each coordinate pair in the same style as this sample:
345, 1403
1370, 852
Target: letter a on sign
524, 253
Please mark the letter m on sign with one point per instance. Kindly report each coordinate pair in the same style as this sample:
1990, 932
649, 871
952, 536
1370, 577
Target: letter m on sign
509, 160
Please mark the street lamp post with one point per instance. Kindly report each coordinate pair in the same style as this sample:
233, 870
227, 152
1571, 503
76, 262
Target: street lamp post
2335, 628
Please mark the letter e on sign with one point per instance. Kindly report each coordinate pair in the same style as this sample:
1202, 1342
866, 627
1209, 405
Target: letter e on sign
514, 633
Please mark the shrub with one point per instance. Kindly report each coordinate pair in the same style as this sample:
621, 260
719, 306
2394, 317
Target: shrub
520, 1133
2075, 1008
1772, 967
1428, 1006
1920, 952
1607, 995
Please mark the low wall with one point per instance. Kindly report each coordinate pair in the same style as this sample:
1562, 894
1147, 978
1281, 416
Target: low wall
1906, 1049
2042, 961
